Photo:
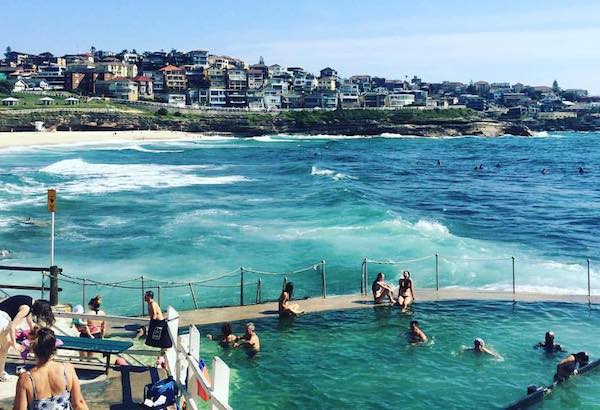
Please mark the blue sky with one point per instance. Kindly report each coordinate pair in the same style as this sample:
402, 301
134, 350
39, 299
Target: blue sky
530, 41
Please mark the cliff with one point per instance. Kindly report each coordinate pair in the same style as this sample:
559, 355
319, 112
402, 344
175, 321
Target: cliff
357, 122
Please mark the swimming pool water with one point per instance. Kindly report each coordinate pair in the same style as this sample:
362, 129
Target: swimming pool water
361, 358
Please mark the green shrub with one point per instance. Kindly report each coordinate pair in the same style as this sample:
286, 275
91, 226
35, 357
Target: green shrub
162, 111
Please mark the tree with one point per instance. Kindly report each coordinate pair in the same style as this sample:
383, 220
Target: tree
555, 87
261, 60
162, 111
93, 50
8, 51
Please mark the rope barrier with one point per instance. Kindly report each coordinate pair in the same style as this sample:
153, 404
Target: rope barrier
399, 262
311, 267
455, 258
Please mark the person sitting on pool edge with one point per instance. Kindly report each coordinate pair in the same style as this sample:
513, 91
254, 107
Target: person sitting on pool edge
479, 348
381, 290
406, 291
287, 309
568, 366
548, 345
416, 334
249, 340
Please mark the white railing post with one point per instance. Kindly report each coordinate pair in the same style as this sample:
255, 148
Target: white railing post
220, 382
173, 328
194, 347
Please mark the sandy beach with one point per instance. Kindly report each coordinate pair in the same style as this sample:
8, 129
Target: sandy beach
24, 139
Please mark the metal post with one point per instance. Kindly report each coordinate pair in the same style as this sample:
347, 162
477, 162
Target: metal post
158, 288
513, 277
242, 286
83, 292
143, 296
589, 283
324, 279
54, 285
43, 291
193, 295
52, 240
366, 275
362, 276
437, 273
258, 285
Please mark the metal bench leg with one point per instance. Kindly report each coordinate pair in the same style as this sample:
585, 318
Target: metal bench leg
107, 362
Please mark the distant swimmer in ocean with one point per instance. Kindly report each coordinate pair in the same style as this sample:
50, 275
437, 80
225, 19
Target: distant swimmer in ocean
498, 165
249, 341
406, 291
544, 171
569, 366
480, 166
439, 162
381, 290
548, 344
581, 171
287, 309
416, 335
479, 348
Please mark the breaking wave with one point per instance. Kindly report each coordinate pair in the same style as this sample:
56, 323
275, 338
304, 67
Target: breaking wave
324, 172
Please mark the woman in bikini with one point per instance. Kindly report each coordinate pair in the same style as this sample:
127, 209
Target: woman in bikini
287, 309
406, 291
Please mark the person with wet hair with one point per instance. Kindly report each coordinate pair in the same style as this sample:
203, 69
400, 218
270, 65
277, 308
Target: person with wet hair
406, 291
416, 335
13, 311
381, 290
570, 365
97, 326
50, 385
154, 310
287, 309
479, 348
548, 344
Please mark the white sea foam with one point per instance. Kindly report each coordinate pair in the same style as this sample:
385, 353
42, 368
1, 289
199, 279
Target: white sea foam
324, 172
269, 138
140, 148
431, 228
103, 178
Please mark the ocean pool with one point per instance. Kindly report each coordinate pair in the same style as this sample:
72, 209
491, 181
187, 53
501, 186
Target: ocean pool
361, 358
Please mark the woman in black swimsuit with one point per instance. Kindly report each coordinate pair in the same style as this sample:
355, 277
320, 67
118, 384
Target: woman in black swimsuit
12, 312
406, 291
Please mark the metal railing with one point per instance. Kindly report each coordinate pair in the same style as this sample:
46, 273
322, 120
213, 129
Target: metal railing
366, 261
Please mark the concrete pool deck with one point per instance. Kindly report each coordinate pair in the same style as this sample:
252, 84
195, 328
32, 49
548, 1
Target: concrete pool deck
209, 316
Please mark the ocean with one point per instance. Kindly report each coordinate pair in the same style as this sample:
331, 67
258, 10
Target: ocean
185, 211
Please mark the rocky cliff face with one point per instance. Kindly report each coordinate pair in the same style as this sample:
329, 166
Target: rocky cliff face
248, 124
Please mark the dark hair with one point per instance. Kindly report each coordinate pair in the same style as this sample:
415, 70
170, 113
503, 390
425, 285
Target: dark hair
95, 303
406, 272
379, 276
289, 288
44, 344
42, 312
414, 323
226, 329
582, 358
549, 337
150, 294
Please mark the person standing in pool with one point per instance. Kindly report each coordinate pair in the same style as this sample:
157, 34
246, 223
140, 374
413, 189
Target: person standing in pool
13, 311
249, 340
287, 309
568, 366
381, 290
406, 291
548, 345
479, 348
416, 334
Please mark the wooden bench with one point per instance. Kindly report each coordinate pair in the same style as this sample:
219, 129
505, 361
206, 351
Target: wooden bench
105, 346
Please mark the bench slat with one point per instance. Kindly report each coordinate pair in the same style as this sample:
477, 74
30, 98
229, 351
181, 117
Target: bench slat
94, 345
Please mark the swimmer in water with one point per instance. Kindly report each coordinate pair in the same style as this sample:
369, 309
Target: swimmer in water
498, 165
381, 290
249, 341
544, 171
415, 333
439, 162
480, 166
569, 366
548, 345
581, 171
479, 348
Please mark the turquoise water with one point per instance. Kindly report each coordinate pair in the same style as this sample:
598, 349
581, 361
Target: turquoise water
191, 210
361, 359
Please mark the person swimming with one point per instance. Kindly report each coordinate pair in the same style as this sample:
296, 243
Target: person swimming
544, 171
439, 162
581, 171
548, 345
569, 366
406, 291
249, 341
416, 335
479, 348
381, 290
226, 338
287, 309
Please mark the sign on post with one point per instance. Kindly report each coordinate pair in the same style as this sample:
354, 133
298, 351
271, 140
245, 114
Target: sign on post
52, 200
